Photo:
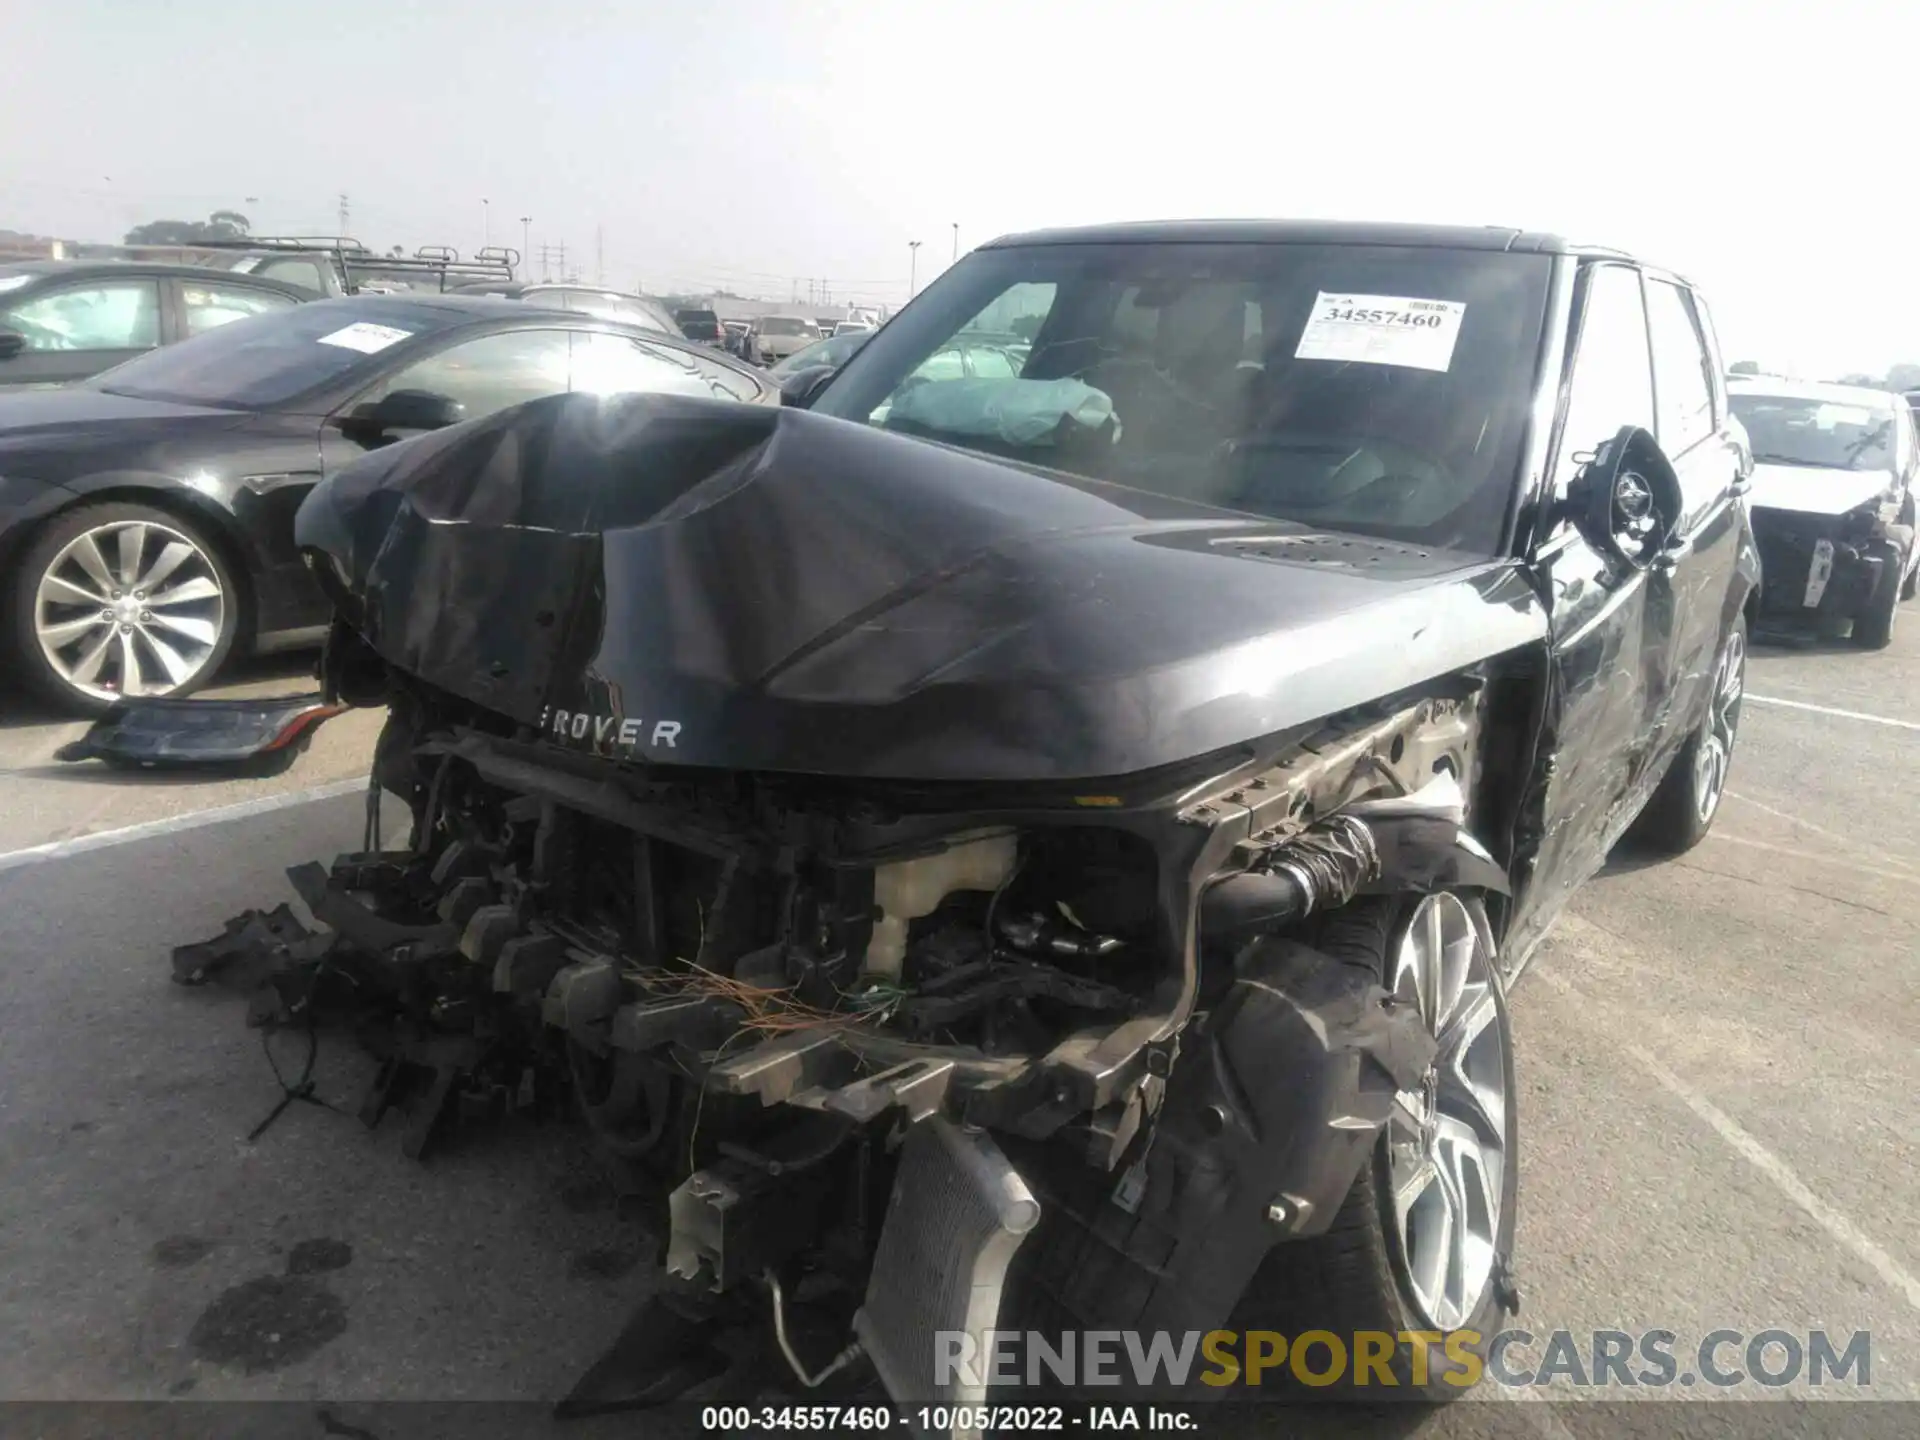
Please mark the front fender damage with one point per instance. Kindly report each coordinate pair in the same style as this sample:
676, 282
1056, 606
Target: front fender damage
1267, 1121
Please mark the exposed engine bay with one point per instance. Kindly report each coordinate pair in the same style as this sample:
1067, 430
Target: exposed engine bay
864, 1037
948, 947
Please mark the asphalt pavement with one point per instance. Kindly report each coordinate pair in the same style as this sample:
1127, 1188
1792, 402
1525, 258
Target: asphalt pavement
1718, 1062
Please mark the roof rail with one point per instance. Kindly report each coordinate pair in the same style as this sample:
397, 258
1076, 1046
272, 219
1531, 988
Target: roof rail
495, 263
442, 262
333, 244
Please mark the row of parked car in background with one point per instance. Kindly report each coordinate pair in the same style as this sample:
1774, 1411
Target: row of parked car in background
151, 457
769, 339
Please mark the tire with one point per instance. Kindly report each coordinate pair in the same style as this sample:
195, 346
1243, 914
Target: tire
1356, 1277
1873, 626
1681, 811
76, 622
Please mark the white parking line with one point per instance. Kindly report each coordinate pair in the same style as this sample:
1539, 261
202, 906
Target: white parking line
1829, 710
1768, 1164
174, 824
1846, 862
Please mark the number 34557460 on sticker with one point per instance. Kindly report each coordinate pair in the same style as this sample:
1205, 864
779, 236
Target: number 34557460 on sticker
1382, 330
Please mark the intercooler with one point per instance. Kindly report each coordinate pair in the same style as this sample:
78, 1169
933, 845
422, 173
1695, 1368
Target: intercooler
959, 1212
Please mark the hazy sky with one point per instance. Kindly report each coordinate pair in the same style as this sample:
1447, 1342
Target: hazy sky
1768, 151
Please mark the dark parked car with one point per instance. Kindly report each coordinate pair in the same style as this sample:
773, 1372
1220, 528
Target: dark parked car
1064, 876
701, 325
63, 320
586, 299
1833, 502
146, 516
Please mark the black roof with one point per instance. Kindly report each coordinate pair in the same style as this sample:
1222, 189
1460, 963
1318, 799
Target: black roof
1299, 232
451, 302
65, 268
455, 307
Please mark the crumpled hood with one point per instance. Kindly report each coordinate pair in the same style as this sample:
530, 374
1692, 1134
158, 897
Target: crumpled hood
1815, 491
702, 583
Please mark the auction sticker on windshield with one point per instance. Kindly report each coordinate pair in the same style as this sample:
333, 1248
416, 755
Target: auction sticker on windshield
1382, 330
370, 339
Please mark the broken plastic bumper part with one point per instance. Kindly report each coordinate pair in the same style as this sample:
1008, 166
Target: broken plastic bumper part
202, 732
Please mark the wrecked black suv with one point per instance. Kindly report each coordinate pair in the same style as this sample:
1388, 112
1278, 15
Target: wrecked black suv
1047, 852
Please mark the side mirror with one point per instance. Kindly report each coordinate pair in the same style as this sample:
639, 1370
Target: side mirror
373, 424
803, 387
12, 342
1626, 500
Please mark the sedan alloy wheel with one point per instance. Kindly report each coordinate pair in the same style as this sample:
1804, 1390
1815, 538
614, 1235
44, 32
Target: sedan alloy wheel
130, 607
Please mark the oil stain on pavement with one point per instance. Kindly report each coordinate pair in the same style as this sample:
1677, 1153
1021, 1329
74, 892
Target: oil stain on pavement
273, 1320
178, 1251
316, 1257
267, 1323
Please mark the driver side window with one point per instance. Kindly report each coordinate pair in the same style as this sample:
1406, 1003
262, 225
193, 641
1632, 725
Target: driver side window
1612, 371
489, 373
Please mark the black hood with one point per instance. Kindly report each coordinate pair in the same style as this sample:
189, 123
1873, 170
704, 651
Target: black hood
710, 584
79, 423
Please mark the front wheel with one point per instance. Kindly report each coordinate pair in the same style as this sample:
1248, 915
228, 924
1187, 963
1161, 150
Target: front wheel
1873, 626
118, 600
1424, 1239
1681, 811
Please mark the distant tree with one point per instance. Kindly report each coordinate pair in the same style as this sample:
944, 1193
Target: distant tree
1904, 377
1744, 367
221, 225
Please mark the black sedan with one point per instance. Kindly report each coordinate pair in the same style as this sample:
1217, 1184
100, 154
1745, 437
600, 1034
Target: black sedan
146, 515
63, 320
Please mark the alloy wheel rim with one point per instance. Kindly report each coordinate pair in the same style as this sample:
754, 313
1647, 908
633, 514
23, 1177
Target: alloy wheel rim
131, 607
1449, 1141
1715, 754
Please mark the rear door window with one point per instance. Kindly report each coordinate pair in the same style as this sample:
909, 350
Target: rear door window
1612, 373
615, 365
209, 306
1682, 377
489, 373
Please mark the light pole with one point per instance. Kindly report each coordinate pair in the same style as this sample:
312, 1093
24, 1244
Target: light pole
956, 239
913, 265
526, 243
486, 223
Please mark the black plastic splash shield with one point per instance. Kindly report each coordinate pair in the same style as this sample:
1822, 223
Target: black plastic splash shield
187, 733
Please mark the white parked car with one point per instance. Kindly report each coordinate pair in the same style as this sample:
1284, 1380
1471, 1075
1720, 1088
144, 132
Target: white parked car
777, 336
1835, 471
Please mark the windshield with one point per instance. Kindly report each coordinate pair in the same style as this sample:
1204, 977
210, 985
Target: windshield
1786, 430
1377, 389
780, 325
269, 359
837, 351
